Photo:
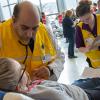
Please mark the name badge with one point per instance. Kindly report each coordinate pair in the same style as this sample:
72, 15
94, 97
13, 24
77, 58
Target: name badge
46, 58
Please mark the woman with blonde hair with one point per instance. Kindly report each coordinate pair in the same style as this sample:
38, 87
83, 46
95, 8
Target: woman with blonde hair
69, 13
69, 32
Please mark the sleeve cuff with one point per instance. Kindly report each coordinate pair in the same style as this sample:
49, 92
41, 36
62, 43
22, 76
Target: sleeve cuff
16, 96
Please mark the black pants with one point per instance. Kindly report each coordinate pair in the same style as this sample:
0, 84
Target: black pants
71, 45
91, 86
89, 62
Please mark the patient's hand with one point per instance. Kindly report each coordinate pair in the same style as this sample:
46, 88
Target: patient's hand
41, 73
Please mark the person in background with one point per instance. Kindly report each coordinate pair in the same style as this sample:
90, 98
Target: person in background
43, 18
60, 18
94, 7
69, 32
15, 79
87, 32
98, 11
27, 40
46, 22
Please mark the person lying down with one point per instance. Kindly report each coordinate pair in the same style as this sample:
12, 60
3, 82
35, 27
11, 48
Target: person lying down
14, 79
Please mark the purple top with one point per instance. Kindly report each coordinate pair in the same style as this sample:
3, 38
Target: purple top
79, 36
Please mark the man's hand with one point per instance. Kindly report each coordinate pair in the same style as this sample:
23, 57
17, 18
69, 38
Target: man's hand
96, 43
97, 38
41, 73
84, 49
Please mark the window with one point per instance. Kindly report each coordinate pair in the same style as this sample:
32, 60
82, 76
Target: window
7, 8
12, 1
3, 2
95, 0
12, 8
6, 13
34, 1
71, 4
49, 6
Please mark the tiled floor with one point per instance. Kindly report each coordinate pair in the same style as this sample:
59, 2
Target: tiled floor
73, 68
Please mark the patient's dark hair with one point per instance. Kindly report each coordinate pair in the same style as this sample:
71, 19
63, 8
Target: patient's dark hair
83, 8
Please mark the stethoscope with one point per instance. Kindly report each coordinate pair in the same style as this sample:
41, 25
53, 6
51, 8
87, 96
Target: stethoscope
26, 46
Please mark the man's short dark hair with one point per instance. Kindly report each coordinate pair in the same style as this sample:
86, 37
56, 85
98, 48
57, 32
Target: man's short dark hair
16, 10
83, 8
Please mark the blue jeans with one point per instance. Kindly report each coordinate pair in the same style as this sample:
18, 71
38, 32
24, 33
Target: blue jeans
91, 86
2, 95
71, 45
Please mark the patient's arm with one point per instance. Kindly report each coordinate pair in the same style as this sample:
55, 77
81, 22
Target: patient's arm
16, 96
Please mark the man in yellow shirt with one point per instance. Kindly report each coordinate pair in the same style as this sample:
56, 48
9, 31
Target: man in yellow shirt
26, 40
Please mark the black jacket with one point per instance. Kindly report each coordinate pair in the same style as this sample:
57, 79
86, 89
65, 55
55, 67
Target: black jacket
68, 28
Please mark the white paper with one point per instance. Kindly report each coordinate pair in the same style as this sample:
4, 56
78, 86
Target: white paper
91, 72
